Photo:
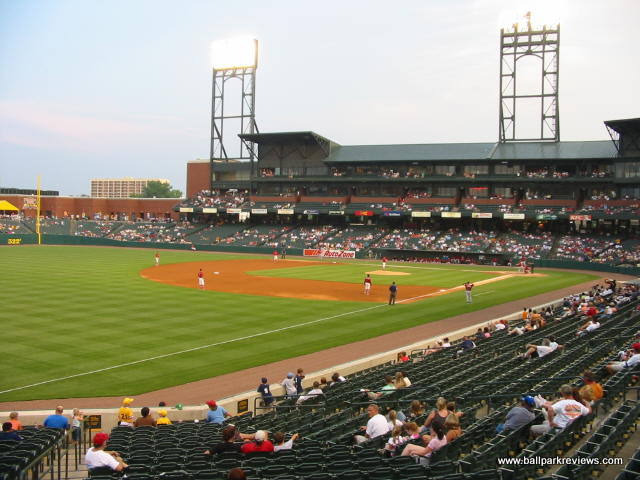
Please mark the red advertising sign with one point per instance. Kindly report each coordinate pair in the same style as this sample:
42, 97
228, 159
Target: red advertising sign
579, 217
364, 213
317, 252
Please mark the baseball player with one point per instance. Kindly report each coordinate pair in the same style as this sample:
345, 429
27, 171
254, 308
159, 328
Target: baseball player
157, 259
201, 279
367, 284
467, 290
384, 262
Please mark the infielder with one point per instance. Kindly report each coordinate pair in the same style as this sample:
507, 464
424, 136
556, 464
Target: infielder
467, 290
367, 284
201, 279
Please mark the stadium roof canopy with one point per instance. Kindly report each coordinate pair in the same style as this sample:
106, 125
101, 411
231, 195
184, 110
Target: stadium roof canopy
624, 126
554, 150
407, 153
277, 138
6, 206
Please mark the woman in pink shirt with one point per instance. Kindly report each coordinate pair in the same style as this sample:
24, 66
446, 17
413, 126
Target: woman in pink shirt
438, 440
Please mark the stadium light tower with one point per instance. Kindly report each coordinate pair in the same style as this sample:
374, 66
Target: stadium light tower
233, 59
542, 43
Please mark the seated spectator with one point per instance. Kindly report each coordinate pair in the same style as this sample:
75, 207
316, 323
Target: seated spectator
228, 442
451, 406
561, 413
628, 359
439, 414
8, 433
237, 474
393, 420
591, 325
591, 391
260, 443
265, 392
385, 390
395, 442
403, 357
467, 345
519, 415
280, 444
125, 414
452, 427
57, 420
163, 419
437, 440
337, 378
416, 409
540, 351
97, 456
216, 414
413, 430
145, 420
401, 380
376, 426
13, 418
315, 392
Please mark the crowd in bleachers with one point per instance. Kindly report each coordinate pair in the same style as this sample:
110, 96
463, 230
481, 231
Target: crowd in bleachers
207, 198
581, 248
455, 240
408, 239
98, 228
352, 238
152, 232
305, 237
260, 235
529, 245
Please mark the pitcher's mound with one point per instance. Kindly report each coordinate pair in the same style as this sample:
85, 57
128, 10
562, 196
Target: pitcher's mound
387, 272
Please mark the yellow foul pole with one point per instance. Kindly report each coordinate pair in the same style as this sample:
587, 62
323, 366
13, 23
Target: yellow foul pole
38, 212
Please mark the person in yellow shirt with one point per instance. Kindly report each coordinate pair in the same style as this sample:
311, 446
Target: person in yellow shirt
162, 418
125, 414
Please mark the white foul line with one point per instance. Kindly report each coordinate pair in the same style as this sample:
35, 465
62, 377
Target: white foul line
165, 355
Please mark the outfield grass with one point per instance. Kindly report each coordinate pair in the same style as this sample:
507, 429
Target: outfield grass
71, 310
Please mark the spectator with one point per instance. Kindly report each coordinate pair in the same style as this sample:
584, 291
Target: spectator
260, 443
437, 440
97, 456
540, 351
337, 378
125, 414
591, 325
376, 426
519, 415
13, 418
265, 392
439, 414
416, 409
627, 359
395, 442
216, 414
164, 420
591, 391
563, 412
401, 380
146, 420
393, 420
228, 442
387, 389
76, 424
280, 444
452, 427
237, 474
298, 381
57, 420
289, 385
315, 393
403, 357
8, 433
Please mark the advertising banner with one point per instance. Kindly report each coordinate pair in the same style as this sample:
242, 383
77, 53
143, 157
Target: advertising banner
513, 216
312, 212
336, 212
234, 210
286, 211
364, 213
481, 215
209, 210
259, 211
393, 213
186, 209
450, 214
318, 252
421, 214
579, 217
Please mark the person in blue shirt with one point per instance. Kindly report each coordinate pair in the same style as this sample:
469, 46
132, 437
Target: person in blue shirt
216, 414
57, 420
265, 392
8, 433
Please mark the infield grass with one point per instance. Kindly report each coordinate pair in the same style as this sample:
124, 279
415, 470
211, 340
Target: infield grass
71, 310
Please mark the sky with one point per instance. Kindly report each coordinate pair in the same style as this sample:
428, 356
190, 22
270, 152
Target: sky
122, 88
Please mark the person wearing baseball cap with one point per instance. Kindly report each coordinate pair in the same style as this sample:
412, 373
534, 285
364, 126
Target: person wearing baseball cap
125, 414
162, 418
97, 456
216, 413
629, 359
260, 443
519, 415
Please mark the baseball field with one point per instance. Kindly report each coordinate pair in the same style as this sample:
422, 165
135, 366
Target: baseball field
88, 322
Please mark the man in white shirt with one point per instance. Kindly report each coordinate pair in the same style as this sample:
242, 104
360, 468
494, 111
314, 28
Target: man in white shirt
628, 360
376, 426
316, 391
562, 412
97, 456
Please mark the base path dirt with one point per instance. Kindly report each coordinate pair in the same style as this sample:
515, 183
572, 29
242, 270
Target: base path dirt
196, 393
232, 276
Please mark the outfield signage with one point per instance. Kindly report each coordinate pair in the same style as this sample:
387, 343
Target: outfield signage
234, 210
546, 216
29, 203
336, 212
318, 252
209, 210
513, 216
481, 215
286, 211
364, 213
186, 209
259, 211
311, 212
579, 217
421, 214
450, 214
393, 213
634, 221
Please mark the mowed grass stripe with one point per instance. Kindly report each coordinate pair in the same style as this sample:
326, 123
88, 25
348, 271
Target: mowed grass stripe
98, 312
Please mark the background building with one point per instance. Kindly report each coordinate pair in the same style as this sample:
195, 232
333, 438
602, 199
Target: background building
120, 187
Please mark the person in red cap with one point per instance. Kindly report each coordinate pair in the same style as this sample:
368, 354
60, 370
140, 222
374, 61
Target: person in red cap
260, 443
97, 456
629, 359
216, 414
